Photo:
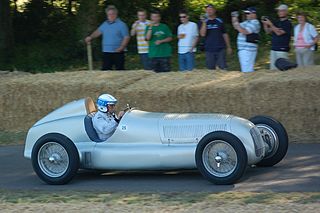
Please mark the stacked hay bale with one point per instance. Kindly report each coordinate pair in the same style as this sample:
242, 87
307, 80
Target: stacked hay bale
25, 99
292, 97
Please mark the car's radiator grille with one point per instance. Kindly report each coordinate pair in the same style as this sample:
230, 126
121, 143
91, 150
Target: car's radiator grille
191, 131
190, 128
258, 143
181, 117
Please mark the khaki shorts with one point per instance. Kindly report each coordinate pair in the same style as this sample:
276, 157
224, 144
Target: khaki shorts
305, 57
275, 55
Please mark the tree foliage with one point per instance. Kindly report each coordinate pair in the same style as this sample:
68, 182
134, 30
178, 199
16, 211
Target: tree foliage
6, 40
44, 34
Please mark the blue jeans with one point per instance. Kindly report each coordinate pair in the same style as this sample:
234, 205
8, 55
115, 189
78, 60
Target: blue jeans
186, 61
146, 62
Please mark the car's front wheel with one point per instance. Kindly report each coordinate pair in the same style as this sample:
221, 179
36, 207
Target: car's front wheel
55, 159
221, 158
275, 136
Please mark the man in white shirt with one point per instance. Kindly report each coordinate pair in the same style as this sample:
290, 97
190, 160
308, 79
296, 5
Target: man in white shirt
105, 121
138, 29
188, 35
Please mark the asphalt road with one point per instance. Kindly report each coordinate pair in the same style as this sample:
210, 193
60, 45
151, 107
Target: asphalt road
298, 172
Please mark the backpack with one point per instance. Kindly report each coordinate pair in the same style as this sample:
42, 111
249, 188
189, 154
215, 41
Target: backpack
284, 64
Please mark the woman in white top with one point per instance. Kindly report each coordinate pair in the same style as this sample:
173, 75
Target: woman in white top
305, 39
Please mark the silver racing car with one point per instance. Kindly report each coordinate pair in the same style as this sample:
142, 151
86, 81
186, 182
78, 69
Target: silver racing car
220, 146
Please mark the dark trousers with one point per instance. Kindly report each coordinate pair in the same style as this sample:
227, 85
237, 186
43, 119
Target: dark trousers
144, 58
113, 59
214, 59
161, 64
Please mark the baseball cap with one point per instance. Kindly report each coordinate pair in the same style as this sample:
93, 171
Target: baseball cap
250, 10
282, 7
210, 6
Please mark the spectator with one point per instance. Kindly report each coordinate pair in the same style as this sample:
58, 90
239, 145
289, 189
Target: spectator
159, 37
139, 30
247, 50
216, 39
281, 35
188, 38
305, 39
115, 38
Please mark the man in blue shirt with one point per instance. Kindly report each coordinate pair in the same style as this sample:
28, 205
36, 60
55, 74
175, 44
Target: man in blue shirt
217, 41
281, 31
115, 38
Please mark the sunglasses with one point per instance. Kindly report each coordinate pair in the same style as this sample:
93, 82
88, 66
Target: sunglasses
183, 16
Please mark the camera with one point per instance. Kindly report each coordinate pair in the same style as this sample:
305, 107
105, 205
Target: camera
204, 16
264, 18
235, 14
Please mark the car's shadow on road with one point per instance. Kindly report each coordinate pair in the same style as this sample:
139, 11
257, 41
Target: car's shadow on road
149, 181
299, 171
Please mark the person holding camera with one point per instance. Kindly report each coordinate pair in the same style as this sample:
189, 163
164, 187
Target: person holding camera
217, 41
248, 37
281, 35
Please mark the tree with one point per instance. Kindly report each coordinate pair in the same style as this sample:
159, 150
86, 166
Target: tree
171, 13
69, 7
6, 41
87, 17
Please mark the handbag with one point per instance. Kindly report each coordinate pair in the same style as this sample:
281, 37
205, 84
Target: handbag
316, 44
253, 38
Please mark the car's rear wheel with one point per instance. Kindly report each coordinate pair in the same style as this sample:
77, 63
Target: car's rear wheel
221, 158
276, 138
55, 159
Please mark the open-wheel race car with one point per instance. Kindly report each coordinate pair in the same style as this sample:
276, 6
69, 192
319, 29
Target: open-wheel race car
220, 146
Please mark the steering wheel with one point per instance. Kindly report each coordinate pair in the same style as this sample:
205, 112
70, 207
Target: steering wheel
128, 107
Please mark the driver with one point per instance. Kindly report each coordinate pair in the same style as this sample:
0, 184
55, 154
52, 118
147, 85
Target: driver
105, 121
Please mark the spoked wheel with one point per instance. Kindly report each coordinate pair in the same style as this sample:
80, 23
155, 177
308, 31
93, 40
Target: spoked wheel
55, 159
276, 138
221, 158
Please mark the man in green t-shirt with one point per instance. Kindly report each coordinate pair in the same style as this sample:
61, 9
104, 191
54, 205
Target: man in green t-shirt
159, 37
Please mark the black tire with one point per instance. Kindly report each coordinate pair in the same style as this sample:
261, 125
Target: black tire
241, 155
279, 151
72, 153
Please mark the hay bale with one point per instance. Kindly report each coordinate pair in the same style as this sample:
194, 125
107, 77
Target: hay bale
291, 97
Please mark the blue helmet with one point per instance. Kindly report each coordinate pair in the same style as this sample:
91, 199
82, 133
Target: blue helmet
104, 100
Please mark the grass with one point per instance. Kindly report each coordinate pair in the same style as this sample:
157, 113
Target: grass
183, 198
11, 138
262, 61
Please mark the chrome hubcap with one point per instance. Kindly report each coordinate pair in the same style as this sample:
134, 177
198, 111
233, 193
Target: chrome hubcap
219, 158
53, 159
270, 137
